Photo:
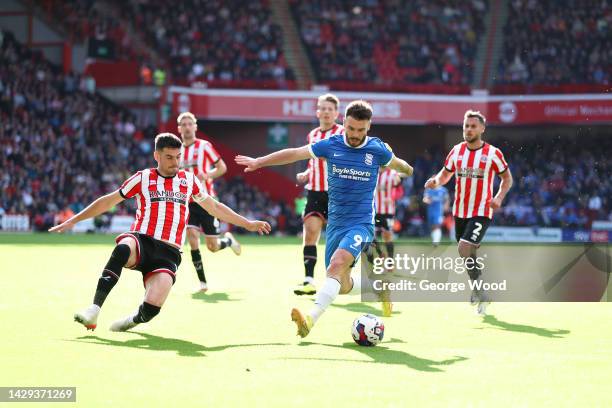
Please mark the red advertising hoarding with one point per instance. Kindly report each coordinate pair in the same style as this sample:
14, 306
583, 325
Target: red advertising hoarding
297, 106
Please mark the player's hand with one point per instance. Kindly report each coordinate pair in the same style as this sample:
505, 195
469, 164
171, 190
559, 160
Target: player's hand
431, 183
302, 177
250, 163
64, 226
496, 202
260, 227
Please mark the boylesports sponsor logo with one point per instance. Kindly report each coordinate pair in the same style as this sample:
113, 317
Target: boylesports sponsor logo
350, 173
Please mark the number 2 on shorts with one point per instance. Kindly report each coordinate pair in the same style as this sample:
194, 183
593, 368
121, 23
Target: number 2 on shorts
476, 231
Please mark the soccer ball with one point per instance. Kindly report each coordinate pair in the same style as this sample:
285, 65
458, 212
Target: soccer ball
368, 330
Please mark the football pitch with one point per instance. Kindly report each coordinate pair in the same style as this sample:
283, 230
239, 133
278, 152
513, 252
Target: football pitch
236, 345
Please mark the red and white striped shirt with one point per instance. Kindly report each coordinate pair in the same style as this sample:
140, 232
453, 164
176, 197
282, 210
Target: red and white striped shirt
383, 196
163, 203
474, 174
317, 178
198, 158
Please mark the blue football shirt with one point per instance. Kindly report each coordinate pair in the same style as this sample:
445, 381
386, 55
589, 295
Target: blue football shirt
352, 173
437, 196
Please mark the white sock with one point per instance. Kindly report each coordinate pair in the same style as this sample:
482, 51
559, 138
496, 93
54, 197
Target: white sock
95, 308
436, 235
356, 289
325, 296
309, 279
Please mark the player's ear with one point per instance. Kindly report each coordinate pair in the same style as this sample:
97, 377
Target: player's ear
156, 155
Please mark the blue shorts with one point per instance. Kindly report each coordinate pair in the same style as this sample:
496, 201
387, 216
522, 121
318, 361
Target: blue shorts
435, 218
348, 238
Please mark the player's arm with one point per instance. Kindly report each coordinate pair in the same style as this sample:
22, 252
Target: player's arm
281, 157
401, 165
504, 187
439, 179
220, 168
99, 206
224, 213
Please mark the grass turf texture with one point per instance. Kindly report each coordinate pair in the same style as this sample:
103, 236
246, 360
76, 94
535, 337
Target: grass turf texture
236, 345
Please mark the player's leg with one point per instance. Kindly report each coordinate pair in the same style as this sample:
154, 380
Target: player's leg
314, 217
125, 254
195, 223
211, 228
338, 281
193, 237
158, 286
435, 221
159, 276
436, 234
374, 250
473, 231
387, 236
342, 250
313, 224
328, 292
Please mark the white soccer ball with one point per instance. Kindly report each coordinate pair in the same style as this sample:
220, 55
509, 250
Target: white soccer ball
368, 330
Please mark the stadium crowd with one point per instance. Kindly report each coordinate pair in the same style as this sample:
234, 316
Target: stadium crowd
199, 40
63, 146
83, 20
557, 42
424, 42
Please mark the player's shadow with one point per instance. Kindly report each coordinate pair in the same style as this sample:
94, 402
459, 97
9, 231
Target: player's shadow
362, 308
384, 355
157, 343
523, 328
215, 297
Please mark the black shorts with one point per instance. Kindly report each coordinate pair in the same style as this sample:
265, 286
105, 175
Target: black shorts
384, 222
472, 229
200, 218
316, 204
153, 256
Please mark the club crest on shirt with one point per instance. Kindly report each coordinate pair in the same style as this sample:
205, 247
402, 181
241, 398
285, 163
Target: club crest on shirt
368, 159
183, 182
483, 159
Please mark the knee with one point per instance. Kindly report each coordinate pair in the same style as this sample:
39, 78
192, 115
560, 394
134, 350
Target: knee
121, 253
339, 269
213, 246
193, 236
465, 250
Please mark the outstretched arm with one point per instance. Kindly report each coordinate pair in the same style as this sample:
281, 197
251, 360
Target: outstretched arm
504, 186
284, 156
401, 165
100, 206
226, 214
439, 179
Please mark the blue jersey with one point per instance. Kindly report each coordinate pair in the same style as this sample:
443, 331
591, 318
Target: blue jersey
352, 173
437, 196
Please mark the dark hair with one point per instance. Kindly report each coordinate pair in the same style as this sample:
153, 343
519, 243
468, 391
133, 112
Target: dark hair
360, 110
329, 98
167, 140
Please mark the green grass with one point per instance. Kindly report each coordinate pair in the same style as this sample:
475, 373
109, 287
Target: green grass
237, 347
